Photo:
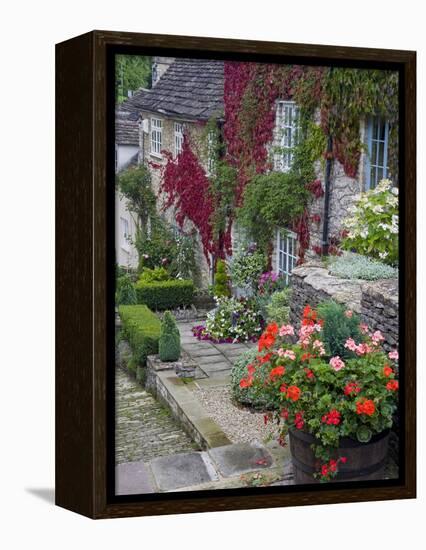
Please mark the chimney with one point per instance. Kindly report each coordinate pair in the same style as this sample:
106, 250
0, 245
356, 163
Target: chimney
159, 67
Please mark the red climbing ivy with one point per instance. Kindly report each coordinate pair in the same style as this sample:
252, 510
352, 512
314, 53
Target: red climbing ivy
187, 188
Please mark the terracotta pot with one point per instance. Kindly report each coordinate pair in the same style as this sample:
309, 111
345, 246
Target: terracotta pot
365, 461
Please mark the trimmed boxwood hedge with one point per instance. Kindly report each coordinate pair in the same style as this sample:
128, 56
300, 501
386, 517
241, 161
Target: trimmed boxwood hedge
141, 328
165, 294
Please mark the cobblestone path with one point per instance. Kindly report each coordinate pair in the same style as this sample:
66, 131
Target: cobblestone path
144, 429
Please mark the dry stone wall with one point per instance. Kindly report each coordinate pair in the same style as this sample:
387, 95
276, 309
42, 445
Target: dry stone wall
376, 302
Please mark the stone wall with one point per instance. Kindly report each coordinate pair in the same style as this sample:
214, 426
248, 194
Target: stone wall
376, 302
380, 309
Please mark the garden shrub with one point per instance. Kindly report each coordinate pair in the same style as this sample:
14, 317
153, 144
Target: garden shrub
372, 229
339, 325
165, 294
355, 266
221, 285
245, 396
247, 264
141, 328
125, 291
155, 275
169, 343
278, 308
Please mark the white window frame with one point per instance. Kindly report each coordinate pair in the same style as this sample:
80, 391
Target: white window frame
156, 137
381, 145
287, 131
179, 129
286, 253
125, 233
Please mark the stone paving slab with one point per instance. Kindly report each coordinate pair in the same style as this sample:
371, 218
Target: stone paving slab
133, 478
239, 458
182, 470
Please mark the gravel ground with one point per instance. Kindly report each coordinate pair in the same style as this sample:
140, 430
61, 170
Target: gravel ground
239, 424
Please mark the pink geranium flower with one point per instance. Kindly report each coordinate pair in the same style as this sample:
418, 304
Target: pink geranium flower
288, 354
336, 363
363, 328
286, 330
350, 344
393, 355
377, 337
349, 313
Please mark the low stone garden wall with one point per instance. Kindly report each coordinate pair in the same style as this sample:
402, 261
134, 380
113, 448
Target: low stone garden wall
376, 302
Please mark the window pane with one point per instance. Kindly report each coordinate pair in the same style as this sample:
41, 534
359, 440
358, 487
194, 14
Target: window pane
381, 149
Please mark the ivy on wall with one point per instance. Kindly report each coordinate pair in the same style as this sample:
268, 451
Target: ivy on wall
242, 150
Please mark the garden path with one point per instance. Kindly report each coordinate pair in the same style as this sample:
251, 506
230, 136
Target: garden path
144, 429
213, 359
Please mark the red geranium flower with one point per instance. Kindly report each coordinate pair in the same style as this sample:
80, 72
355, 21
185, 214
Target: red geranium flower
293, 393
392, 385
351, 388
276, 372
246, 382
387, 371
365, 406
332, 418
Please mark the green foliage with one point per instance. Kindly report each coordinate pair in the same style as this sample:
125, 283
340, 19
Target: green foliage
270, 201
372, 229
169, 343
131, 73
278, 308
246, 396
183, 264
355, 266
141, 328
125, 291
221, 280
165, 294
222, 187
156, 275
247, 265
135, 185
338, 327
233, 319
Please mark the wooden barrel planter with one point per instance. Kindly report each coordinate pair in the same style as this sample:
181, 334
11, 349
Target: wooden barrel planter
365, 461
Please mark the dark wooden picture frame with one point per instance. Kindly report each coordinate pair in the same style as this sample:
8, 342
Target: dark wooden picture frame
84, 328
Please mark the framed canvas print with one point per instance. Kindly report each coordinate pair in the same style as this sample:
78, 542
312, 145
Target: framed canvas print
235, 274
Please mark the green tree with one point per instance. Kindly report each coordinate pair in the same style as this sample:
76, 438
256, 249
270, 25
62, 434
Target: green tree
135, 185
132, 72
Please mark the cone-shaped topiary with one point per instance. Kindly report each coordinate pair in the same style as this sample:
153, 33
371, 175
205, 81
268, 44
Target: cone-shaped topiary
221, 280
169, 342
125, 292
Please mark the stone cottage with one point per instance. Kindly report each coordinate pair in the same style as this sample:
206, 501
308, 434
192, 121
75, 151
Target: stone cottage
185, 95
126, 154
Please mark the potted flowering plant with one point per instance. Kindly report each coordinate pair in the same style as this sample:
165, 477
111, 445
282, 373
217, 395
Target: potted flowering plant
336, 412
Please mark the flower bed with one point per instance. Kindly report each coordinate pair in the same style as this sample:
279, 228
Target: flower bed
233, 320
327, 397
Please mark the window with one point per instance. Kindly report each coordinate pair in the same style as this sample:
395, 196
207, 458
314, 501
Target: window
286, 253
156, 136
286, 134
377, 160
125, 235
178, 138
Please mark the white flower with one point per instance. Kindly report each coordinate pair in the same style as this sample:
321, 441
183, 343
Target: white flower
383, 255
377, 209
